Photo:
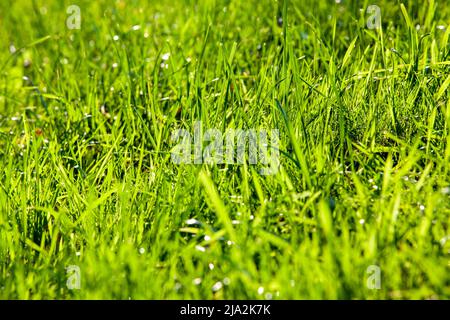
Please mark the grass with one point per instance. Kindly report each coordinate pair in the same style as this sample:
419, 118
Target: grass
86, 177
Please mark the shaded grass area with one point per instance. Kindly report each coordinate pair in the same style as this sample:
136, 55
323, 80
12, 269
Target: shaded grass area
87, 179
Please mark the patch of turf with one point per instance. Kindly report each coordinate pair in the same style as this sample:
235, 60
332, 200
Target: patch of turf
87, 180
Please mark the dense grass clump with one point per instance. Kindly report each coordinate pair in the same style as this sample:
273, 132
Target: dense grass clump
86, 178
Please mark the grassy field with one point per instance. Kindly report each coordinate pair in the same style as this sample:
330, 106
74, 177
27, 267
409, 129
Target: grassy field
359, 207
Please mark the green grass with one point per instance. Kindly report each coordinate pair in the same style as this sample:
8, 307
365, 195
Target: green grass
86, 177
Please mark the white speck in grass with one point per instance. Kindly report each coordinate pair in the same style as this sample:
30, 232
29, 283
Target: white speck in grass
211, 266
197, 281
141, 250
445, 190
192, 222
375, 187
207, 238
217, 286
111, 89
200, 248
370, 180
235, 222
260, 290
12, 49
136, 27
116, 37
226, 281
25, 78
252, 217
115, 65
230, 243
441, 27
178, 286
15, 118
361, 221
146, 35
444, 240
78, 253
268, 296
165, 56
188, 59
417, 26
422, 207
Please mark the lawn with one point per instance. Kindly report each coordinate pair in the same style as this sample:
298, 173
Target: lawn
356, 204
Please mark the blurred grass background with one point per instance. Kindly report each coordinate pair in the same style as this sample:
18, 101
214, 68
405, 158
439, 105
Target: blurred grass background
86, 179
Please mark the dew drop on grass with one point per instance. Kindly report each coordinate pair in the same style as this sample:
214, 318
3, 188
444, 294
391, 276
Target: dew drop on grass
197, 281
200, 248
260, 290
191, 222
116, 37
211, 266
141, 250
217, 286
165, 56
226, 281
280, 21
445, 190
